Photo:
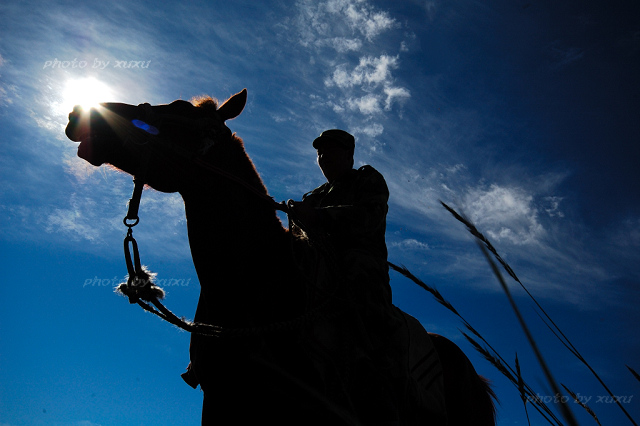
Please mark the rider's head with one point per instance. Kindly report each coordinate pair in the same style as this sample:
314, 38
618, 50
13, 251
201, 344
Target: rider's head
335, 153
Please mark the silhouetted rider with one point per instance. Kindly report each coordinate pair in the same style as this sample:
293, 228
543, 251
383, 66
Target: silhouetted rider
350, 211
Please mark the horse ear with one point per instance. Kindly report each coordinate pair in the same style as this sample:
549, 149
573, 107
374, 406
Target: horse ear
233, 106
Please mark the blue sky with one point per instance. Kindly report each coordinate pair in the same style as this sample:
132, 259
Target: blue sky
523, 115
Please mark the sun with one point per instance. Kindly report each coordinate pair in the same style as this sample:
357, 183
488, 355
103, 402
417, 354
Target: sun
87, 92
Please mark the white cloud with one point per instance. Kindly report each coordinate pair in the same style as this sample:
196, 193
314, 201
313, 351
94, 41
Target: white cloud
368, 104
430, 7
370, 23
346, 26
340, 24
456, 168
410, 244
341, 44
371, 130
370, 71
337, 108
381, 68
341, 78
395, 94
70, 222
552, 206
373, 76
505, 213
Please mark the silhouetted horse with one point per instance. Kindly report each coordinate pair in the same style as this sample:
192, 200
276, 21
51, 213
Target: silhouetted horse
265, 369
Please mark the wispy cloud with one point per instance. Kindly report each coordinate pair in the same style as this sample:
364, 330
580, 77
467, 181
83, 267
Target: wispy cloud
367, 105
370, 72
395, 94
70, 223
431, 9
368, 87
552, 206
410, 244
372, 130
564, 56
366, 19
7, 91
505, 213
341, 44
338, 19
95, 218
523, 219
363, 85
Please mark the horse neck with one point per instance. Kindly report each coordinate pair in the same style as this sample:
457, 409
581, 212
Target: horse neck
240, 249
226, 223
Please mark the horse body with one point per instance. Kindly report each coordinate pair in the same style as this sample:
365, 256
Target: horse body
242, 255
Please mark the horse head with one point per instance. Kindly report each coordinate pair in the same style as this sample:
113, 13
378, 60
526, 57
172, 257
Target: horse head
159, 141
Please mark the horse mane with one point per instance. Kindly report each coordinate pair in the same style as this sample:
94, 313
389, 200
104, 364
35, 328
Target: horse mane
206, 102
244, 168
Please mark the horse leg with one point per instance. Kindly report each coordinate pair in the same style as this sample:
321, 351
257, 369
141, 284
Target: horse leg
468, 396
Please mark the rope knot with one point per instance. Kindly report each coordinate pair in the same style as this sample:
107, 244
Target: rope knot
140, 286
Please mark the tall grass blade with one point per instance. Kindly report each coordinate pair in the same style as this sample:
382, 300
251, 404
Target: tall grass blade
582, 404
497, 360
521, 389
440, 299
486, 245
564, 408
636, 375
507, 371
404, 271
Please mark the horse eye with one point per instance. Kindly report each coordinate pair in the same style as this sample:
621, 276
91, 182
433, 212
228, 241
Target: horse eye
207, 144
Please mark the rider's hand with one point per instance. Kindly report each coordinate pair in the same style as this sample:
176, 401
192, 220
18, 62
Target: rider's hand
309, 216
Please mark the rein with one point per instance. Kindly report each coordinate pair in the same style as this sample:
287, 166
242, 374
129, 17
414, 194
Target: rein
281, 206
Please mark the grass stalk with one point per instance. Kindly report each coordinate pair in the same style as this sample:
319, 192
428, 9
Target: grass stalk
521, 389
506, 370
564, 408
491, 356
486, 246
636, 375
582, 404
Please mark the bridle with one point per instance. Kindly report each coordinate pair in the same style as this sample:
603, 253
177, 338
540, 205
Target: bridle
208, 130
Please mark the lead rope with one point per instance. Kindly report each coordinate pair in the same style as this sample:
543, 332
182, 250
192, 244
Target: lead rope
139, 286
139, 283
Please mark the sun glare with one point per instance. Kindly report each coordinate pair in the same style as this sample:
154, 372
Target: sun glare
87, 92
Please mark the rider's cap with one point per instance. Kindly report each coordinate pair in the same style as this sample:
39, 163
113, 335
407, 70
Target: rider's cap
346, 140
